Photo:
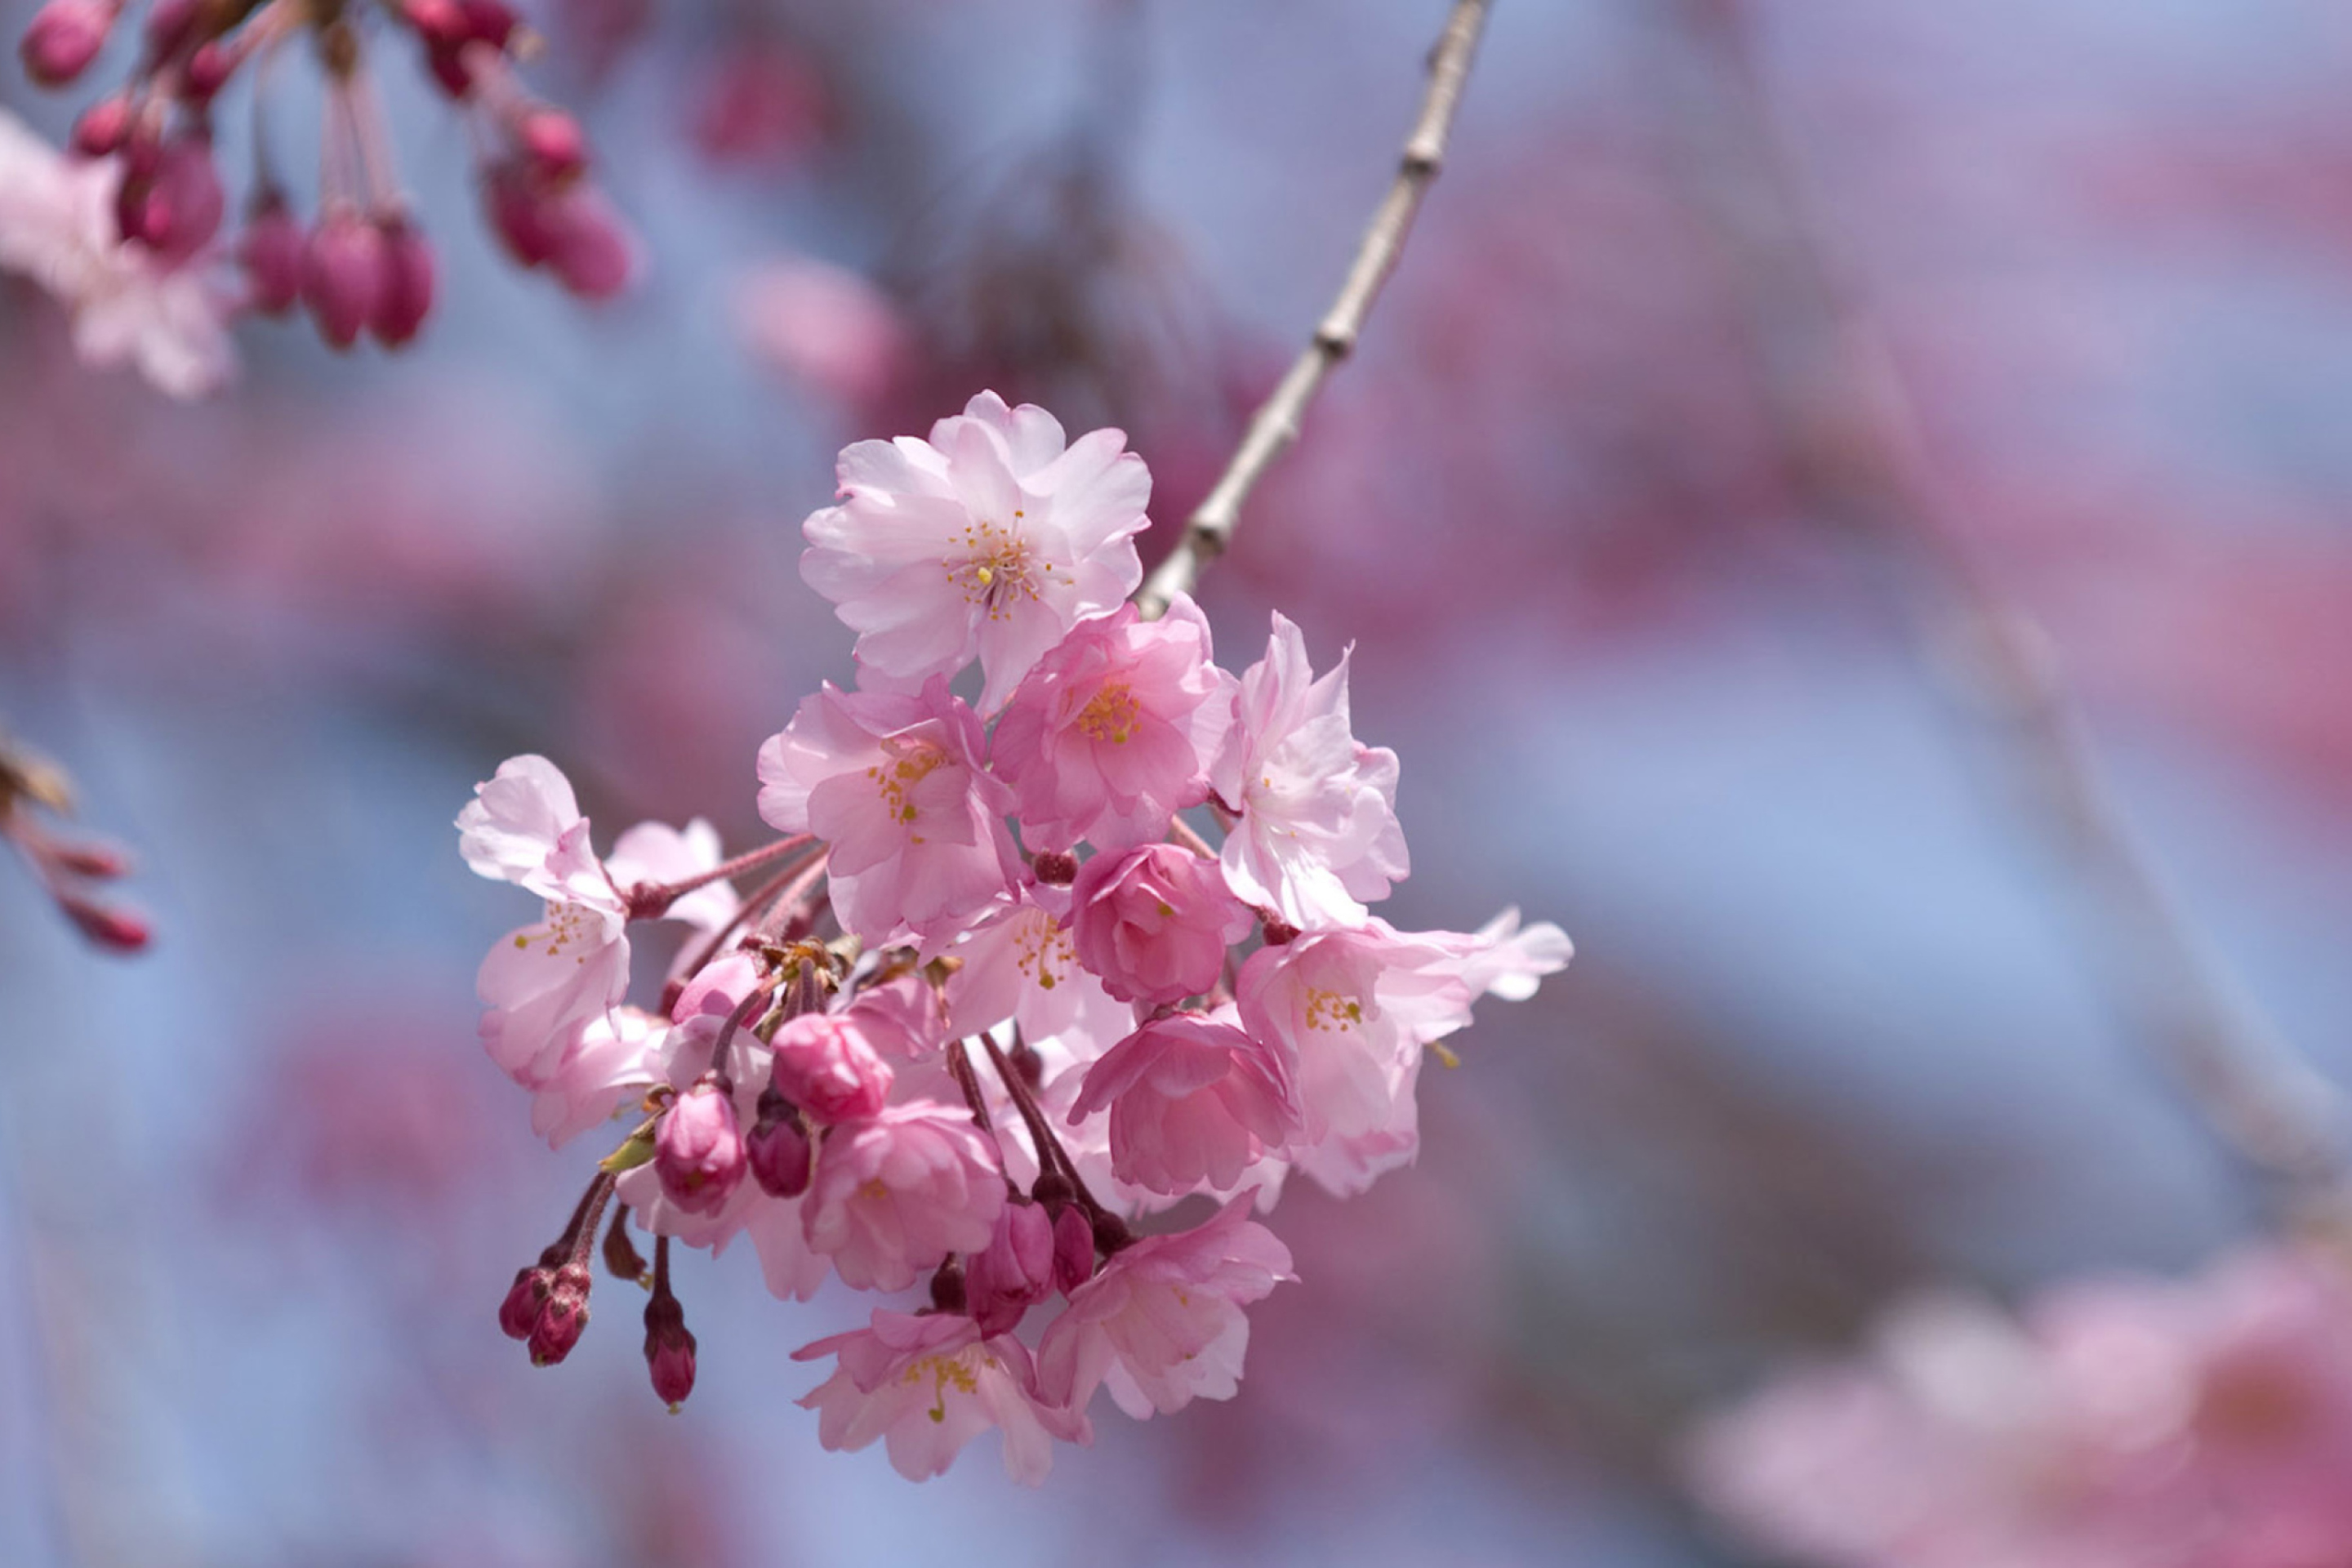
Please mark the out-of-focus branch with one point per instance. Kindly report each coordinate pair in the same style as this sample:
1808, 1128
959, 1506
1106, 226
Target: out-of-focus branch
1857, 444
1276, 424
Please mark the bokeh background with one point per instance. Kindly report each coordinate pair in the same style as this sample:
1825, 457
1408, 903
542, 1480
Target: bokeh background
1729, 332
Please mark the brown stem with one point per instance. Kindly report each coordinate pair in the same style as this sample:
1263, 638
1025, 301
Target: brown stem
1276, 424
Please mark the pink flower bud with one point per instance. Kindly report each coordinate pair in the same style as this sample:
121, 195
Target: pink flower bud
1073, 1248
697, 1152
826, 1066
342, 275
208, 71
106, 925
517, 212
518, 1313
270, 252
175, 209
670, 1350
170, 26
778, 1149
554, 145
102, 861
562, 1318
406, 295
589, 248
64, 38
1014, 1270
1154, 924
103, 127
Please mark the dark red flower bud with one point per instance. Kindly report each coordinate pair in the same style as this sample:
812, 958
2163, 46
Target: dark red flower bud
1055, 870
588, 247
270, 252
518, 1313
554, 148
209, 68
343, 276
779, 1149
406, 296
947, 1286
1074, 1249
174, 208
670, 1350
621, 1258
563, 1318
105, 924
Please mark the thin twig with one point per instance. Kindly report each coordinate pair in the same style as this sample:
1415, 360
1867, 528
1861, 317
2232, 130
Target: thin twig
1275, 424
1854, 427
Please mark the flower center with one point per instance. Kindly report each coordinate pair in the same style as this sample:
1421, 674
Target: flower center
1043, 951
1111, 716
945, 1371
908, 764
1330, 1010
996, 567
569, 927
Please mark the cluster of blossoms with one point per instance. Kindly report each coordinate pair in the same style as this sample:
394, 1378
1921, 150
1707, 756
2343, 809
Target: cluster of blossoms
144, 206
70, 870
997, 1008
2117, 1424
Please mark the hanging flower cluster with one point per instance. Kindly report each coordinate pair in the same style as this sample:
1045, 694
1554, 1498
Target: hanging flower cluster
997, 1007
359, 265
2120, 1422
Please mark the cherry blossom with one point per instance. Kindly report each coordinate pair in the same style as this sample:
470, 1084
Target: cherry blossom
1155, 923
1163, 1323
895, 1194
826, 1066
927, 1385
1318, 837
1110, 735
991, 540
129, 304
896, 786
1193, 1100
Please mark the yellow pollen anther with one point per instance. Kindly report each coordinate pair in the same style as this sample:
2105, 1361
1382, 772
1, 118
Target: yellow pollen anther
1111, 715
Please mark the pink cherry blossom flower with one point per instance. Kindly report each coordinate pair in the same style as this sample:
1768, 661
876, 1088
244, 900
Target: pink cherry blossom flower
825, 1064
1318, 837
616, 1058
895, 784
825, 327
1193, 1100
1153, 924
1110, 735
927, 1385
894, 1196
58, 226
1020, 965
990, 539
1355, 1008
1163, 1323
903, 1017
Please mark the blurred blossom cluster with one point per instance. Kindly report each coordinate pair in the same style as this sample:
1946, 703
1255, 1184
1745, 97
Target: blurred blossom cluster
1738, 343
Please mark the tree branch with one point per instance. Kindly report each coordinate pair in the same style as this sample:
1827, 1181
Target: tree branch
1276, 424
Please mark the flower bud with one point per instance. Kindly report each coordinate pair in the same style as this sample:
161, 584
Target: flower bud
517, 211
621, 1258
170, 26
271, 253
342, 275
406, 296
1154, 924
948, 1287
518, 1313
209, 68
175, 207
562, 1318
1055, 869
552, 145
1074, 1249
102, 862
778, 1150
826, 1066
64, 38
1014, 1270
589, 250
103, 127
106, 925
670, 1350
697, 1152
